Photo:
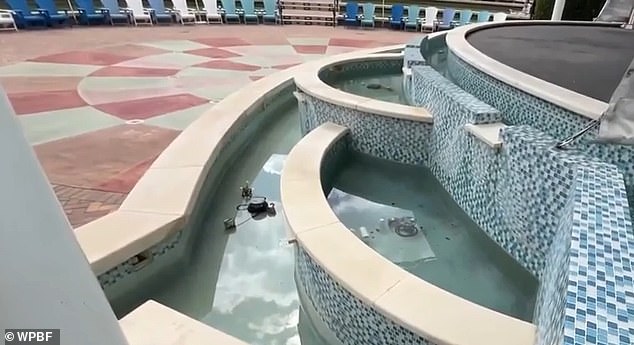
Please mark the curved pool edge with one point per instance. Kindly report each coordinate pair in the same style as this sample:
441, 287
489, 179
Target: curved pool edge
309, 82
575, 102
161, 202
435, 314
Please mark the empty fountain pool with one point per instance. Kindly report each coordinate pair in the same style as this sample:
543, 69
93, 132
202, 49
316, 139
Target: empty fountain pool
403, 212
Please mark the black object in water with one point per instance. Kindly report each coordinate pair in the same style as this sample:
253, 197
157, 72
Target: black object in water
405, 226
257, 205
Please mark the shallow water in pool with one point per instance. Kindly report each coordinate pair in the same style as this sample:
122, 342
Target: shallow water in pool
384, 87
449, 251
241, 281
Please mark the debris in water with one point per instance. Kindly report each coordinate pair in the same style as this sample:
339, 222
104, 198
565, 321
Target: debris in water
373, 86
447, 238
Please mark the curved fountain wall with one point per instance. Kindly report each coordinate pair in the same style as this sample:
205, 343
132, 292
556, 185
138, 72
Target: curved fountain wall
352, 293
525, 101
567, 209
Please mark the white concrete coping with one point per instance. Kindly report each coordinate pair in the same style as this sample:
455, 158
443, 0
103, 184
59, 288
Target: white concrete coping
567, 99
489, 133
309, 82
161, 202
155, 324
427, 310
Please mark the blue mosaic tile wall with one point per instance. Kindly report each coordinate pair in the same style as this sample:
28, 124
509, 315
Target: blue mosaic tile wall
352, 321
348, 70
384, 137
442, 97
127, 268
551, 295
535, 182
520, 108
600, 290
587, 292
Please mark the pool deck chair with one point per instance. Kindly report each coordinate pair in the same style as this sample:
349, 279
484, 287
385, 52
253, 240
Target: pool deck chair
54, 16
430, 21
25, 17
159, 13
483, 16
184, 14
117, 14
413, 17
367, 17
270, 12
139, 14
88, 14
447, 22
351, 17
211, 13
499, 17
249, 12
464, 17
396, 17
229, 7
6, 21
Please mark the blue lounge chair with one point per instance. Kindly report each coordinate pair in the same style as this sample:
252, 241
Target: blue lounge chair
367, 18
89, 14
229, 6
351, 17
53, 15
270, 12
24, 17
396, 17
249, 12
464, 17
159, 13
116, 13
483, 16
412, 19
447, 19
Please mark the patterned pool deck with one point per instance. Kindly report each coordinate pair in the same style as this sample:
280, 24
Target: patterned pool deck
100, 104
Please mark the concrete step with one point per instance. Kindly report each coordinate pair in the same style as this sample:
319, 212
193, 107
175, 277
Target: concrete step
308, 22
306, 8
304, 13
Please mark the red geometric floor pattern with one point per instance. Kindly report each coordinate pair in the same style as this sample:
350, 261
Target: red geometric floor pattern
93, 172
